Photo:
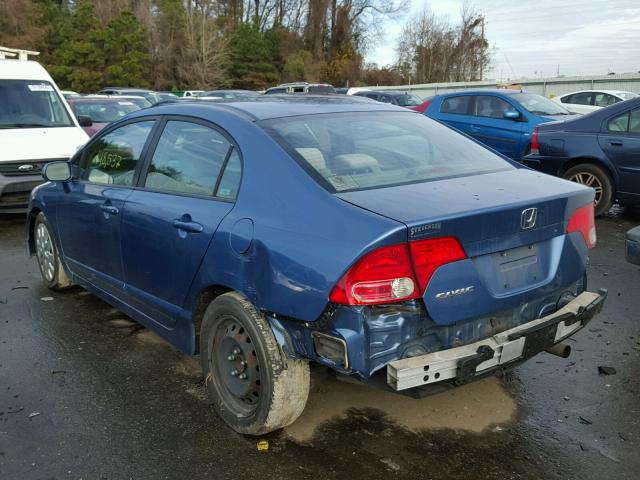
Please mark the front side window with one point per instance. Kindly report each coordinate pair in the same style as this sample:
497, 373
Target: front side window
113, 158
188, 159
634, 121
492, 107
539, 105
604, 99
408, 100
353, 151
31, 104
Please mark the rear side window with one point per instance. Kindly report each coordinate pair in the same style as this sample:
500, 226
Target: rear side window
360, 150
490, 106
619, 123
188, 159
113, 158
604, 99
584, 98
458, 105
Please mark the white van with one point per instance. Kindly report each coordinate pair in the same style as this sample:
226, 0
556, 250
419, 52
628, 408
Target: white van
36, 126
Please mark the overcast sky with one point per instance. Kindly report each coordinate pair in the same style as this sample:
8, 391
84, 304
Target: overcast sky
531, 38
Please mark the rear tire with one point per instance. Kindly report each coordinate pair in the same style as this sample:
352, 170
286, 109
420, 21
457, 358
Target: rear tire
49, 260
251, 384
597, 178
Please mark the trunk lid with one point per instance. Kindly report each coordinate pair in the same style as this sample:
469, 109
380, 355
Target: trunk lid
511, 225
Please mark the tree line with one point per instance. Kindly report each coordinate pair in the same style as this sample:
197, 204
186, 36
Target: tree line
253, 44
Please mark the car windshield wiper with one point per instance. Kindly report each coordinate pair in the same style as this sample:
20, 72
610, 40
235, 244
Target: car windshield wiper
23, 125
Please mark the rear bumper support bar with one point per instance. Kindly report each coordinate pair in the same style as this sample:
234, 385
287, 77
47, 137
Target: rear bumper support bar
463, 364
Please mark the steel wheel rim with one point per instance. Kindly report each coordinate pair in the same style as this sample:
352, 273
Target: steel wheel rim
236, 367
589, 180
44, 252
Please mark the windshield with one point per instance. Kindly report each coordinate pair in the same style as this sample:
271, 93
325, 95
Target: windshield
627, 95
539, 105
408, 100
31, 104
105, 112
352, 151
139, 101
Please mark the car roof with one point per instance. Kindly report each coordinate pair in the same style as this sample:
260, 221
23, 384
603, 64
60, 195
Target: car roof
127, 89
98, 99
278, 106
390, 92
611, 92
23, 70
494, 91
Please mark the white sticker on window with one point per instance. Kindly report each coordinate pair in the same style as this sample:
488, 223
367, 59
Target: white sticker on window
125, 103
43, 87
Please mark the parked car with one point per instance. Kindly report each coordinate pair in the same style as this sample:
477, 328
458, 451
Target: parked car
151, 96
342, 90
192, 93
587, 101
302, 87
501, 119
36, 127
600, 150
402, 99
69, 94
139, 101
167, 97
632, 246
228, 94
101, 111
275, 232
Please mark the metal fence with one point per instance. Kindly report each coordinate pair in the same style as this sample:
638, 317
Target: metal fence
549, 87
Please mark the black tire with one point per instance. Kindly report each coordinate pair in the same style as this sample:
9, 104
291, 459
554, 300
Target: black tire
237, 340
49, 261
596, 177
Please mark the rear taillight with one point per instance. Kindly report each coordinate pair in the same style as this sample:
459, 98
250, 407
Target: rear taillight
535, 149
422, 107
395, 273
583, 221
432, 253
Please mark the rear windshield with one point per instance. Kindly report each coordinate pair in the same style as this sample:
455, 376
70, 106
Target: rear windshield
361, 150
408, 100
627, 95
31, 104
539, 105
104, 112
321, 89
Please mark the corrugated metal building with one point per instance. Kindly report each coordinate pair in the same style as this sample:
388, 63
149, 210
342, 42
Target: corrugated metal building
549, 87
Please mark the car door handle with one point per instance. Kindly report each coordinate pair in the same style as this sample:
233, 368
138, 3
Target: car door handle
616, 143
192, 227
109, 209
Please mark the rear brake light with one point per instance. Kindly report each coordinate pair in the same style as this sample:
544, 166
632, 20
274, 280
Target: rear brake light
583, 221
432, 253
422, 107
535, 148
388, 274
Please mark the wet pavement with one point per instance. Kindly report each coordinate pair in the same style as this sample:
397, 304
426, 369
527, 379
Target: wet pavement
85, 393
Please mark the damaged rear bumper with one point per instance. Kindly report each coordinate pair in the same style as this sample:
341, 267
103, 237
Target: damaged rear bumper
503, 350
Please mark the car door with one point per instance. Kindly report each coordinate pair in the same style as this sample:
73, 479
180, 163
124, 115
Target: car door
169, 221
90, 212
491, 128
620, 141
456, 111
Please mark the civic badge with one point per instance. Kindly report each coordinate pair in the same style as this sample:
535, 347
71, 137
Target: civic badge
528, 218
25, 168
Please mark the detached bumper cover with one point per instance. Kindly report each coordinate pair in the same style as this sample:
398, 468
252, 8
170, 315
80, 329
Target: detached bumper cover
632, 246
463, 364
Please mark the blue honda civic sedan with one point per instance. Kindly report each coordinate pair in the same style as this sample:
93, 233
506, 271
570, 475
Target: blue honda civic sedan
501, 119
269, 233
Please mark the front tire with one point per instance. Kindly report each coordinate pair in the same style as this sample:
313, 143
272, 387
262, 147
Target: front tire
597, 178
251, 384
48, 256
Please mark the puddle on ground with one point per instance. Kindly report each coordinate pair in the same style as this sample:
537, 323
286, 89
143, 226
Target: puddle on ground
472, 407
147, 336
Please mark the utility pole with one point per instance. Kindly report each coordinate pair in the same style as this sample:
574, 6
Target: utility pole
558, 73
482, 51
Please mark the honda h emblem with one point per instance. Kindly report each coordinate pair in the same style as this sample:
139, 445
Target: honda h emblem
528, 218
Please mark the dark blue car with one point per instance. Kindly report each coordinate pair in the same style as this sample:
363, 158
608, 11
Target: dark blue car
271, 233
501, 119
600, 150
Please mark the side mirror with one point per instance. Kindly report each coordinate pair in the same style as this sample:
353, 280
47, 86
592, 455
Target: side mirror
511, 114
84, 121
57, 172
632, 246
